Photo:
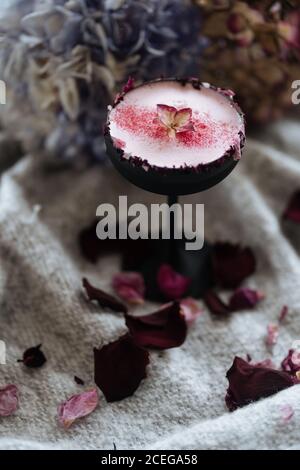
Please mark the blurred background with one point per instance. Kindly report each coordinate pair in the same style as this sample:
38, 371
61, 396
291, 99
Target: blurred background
64, 60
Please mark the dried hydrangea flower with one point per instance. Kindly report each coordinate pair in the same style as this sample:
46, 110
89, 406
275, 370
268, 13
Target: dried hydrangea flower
77, 406
175, 120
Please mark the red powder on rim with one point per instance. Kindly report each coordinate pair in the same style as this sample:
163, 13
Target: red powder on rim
142, 122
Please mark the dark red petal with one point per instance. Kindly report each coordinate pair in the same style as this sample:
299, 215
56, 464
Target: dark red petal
244, 298
119, 368
34, 357
104, 300
215, 304
163, 329
171, 284
283, 313
232, 264
248, 383
292, 211
291, 363
78, 380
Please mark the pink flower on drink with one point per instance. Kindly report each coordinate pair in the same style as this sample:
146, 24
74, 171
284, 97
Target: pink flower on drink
175, 120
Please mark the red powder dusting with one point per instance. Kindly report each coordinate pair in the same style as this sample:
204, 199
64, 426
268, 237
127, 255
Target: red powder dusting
141, 121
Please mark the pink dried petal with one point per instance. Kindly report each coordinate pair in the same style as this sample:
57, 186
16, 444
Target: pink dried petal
287, 412
272, 334
164, 329
283, 314
9, 400
129, 85
130, 286
215, 303
244, 298
248, 383
190, 309
182, 117
171, 284
77, 406
232, 264
166, 114
291, 363
292, 212
175, 120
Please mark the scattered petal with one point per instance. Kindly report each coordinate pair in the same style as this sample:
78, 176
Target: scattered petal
244, 298
265, 363
163, 329
292, 212
33, 357
190, 309
232, 264
291, 363
172, 285
215, 304
272, 334
249, 383
283, 314
9, 400
129, 85
104, 300
287, 412
119, 368
130, 286
78, 380
77, 406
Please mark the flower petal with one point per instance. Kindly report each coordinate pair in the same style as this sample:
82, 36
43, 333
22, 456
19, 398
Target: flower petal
287, 412
172, 285
166, 114
283, 314
215, 304
248, 383
77, 406
232, 264
292, 211
9, 400
34, 357
163, 329
119, 368
272, 334
104, 300
190, 309
130, 286
244, 298
182, 118
291, 363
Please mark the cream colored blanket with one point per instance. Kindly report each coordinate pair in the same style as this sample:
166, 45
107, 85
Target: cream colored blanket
181, 403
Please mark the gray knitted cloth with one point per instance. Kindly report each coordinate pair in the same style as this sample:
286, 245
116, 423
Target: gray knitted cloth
181, 403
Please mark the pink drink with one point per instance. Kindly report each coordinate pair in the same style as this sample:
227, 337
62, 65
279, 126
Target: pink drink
168, 125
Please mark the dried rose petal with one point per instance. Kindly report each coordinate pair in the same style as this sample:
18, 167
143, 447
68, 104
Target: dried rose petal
163, 329
292, 212
33, 357
172, 284
283, 314
265, 363
287, 412
78, 380
9, 400
291, 363
190, 309
248, 383
175, 120
130, 286
77, 406
215, 304
119, 368
232, 264
272, 334
244, 298
104, 300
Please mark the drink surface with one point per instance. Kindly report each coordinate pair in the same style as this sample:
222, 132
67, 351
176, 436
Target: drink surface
171, 125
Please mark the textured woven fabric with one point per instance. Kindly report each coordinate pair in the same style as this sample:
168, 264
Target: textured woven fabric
181, 403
